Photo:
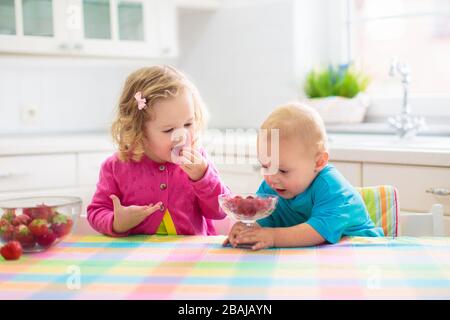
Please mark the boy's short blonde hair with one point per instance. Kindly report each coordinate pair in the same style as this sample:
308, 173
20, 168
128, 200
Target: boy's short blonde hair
299, 122
155, 83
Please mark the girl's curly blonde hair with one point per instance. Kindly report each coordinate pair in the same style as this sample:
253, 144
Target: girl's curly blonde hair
155, 83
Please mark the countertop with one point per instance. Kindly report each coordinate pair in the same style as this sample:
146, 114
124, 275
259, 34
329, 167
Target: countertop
28, 144
435, 129
422, 150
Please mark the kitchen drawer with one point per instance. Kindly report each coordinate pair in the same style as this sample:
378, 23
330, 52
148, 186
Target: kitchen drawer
351, 171
89, 166
240, 178
37, 172
412, 183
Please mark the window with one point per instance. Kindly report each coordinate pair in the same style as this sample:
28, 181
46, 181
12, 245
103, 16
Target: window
415, 31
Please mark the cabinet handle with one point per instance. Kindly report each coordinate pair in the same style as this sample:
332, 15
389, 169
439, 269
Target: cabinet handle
438, 191
64, 46
166, 50
7, 175
78, 46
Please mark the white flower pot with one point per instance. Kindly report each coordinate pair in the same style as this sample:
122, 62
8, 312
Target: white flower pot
339, 109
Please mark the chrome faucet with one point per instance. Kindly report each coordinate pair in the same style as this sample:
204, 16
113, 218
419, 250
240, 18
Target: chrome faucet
405, 124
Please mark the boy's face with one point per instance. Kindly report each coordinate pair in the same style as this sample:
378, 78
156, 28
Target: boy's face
296, 170
172, 119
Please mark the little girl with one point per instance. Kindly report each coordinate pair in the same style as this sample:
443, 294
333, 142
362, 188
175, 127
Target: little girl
159, 181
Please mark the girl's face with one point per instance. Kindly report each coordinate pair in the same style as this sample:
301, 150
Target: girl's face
171, 117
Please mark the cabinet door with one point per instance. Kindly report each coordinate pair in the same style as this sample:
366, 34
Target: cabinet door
19, 173
117, 28
350, 170
412, 183
31, 26
104, 28
37, 18
166, 26
240, 178
89, 167
8, 17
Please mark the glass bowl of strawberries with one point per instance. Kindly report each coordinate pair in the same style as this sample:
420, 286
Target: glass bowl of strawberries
38, 223
249, 207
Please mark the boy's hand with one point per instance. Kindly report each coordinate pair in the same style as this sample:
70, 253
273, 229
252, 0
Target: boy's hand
193, 163
237, 229
258, 238
126, 218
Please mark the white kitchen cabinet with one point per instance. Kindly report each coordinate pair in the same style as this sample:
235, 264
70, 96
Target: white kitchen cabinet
70, 166
412, 183
89, 164
37, 172
352, 171
246, 178
198, 4
240, 178
104, 28
29, 26
72, 174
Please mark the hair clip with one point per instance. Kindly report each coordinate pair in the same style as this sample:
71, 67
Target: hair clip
141, 101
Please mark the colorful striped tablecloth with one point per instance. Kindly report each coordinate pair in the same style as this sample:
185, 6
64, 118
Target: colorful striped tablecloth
194, 267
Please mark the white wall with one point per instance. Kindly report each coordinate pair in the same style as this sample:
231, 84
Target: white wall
71, 94
251, 55
246, 57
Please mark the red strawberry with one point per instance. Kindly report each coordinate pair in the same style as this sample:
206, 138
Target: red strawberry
262, 204
41, 211
9, 215
235, 202
6, 230
248, 206
22, 219
61, 225
29, 212
11, 251
47, 211
39, 227
24, 236
46, 240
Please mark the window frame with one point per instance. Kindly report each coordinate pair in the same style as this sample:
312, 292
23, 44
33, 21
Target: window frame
435, 107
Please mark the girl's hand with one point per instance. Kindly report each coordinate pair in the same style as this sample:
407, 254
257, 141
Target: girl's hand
259, 238
193, 163
126, 218
237, 229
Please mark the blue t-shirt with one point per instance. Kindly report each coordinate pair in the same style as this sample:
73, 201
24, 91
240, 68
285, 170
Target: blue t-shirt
330, 205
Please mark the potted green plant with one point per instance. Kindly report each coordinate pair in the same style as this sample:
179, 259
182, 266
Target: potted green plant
338, 93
